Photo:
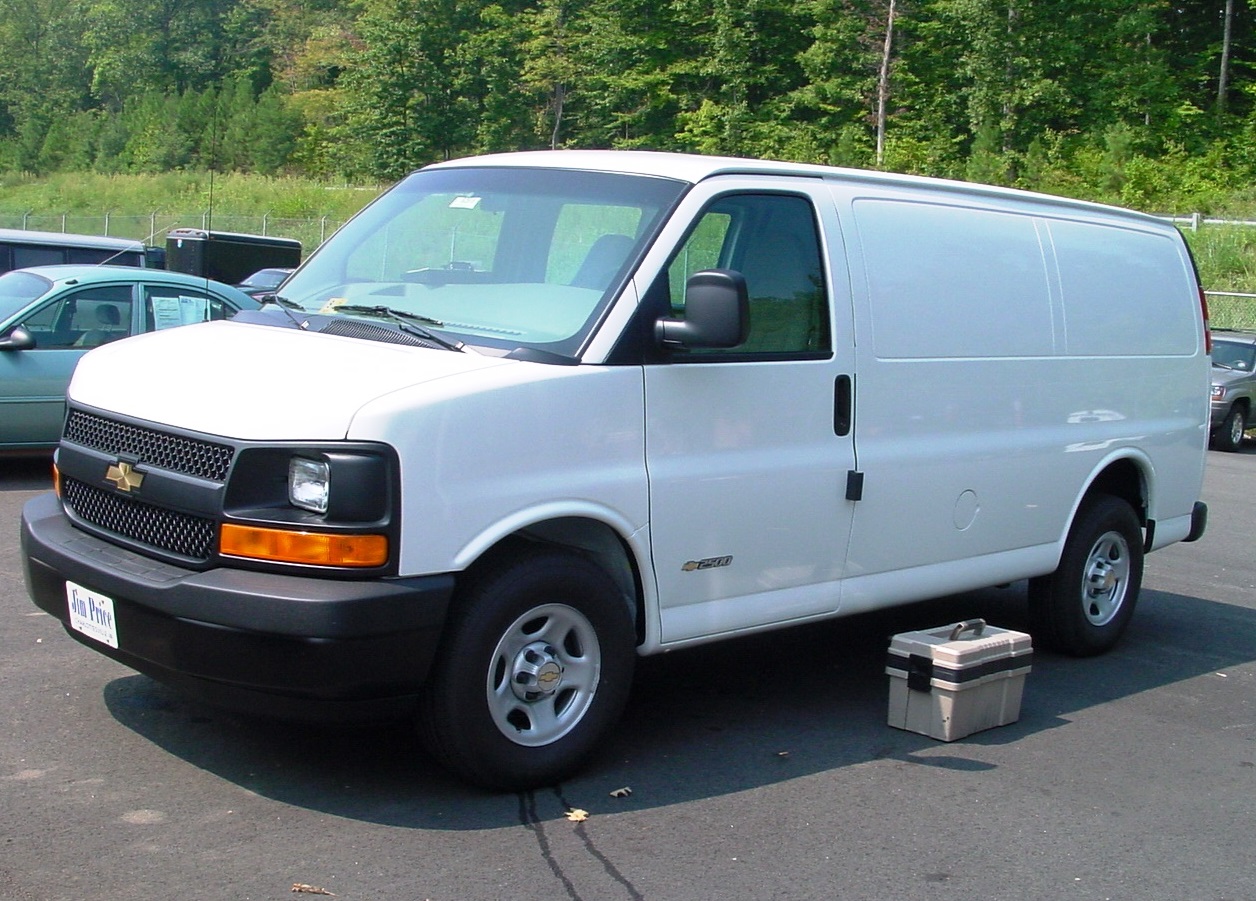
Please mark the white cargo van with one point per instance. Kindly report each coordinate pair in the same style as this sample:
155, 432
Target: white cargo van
529, 416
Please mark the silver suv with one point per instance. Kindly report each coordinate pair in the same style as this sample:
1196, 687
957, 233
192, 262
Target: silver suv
1233, 386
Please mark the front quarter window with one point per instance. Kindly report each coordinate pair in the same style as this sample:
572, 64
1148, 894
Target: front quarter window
500, 257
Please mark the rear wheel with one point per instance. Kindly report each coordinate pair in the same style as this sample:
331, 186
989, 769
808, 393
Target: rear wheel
534, 670
1230, 436
1084, 606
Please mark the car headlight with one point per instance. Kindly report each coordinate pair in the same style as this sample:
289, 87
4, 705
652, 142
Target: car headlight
309, 484
330, 505
1218, 392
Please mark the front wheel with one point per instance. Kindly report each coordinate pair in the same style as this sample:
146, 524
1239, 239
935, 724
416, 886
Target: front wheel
1084, 606
534, 670
1230, 436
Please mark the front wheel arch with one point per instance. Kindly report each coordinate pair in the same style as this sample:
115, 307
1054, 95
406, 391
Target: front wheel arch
533, 670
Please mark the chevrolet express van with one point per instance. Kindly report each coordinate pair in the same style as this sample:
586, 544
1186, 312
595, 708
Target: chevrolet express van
529, 416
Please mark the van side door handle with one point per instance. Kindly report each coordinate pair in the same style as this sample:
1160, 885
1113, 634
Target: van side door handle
843, 406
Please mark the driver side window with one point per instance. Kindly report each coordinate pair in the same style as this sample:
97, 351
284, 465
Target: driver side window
773, 241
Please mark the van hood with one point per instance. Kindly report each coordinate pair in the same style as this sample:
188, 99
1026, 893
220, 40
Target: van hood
256, 382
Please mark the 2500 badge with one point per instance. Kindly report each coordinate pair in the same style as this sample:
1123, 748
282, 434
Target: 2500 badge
707, 563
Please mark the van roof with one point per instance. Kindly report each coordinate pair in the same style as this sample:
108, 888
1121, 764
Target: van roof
694, 168
65, 239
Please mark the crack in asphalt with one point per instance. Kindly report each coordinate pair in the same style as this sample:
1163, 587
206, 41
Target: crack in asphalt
531, 820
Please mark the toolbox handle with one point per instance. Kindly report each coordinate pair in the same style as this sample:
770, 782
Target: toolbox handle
976, 626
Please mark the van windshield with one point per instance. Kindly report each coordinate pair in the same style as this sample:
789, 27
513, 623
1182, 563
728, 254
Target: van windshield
498, 257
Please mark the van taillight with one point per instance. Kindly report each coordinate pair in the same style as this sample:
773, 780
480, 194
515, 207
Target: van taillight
1203, 306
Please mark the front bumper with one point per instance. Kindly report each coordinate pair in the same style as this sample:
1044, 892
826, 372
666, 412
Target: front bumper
293, 646
1219, 411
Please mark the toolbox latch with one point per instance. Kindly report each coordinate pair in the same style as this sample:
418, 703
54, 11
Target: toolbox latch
920, 673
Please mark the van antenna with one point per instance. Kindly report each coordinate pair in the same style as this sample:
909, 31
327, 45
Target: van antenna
213, 165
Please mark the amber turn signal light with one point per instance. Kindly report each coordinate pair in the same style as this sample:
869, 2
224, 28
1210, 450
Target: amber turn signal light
307, 548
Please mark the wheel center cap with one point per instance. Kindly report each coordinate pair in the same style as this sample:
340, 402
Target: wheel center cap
1103, 579
537, 672
549, 676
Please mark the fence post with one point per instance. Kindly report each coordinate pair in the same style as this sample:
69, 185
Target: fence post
26, 219
106, 223
1196, 219
63, 223
322, 230
265, 221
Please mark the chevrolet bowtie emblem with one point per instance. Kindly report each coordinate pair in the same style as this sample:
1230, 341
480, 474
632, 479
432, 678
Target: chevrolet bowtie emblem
124, 476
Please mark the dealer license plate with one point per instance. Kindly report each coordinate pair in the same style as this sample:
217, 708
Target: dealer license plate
92, 614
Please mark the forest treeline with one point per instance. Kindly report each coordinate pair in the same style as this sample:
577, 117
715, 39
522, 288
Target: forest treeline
1141, 102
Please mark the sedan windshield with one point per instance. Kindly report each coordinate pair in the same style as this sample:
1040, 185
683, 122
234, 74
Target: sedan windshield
498, 257
18, 289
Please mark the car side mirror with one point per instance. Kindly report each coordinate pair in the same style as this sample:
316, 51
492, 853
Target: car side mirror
717, 312
18, 338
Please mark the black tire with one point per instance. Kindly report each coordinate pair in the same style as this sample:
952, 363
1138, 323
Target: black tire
1230, 436
1084, 606
534, 669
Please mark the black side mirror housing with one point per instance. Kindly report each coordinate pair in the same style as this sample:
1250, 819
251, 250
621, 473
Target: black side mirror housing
717, 312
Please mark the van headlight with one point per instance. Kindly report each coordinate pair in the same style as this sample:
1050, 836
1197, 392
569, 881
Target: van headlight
332, 504
309, 484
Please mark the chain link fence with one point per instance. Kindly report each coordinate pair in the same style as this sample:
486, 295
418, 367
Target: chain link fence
152, 227
1230, 310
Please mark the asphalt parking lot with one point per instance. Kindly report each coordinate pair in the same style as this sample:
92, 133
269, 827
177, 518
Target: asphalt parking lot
759, 769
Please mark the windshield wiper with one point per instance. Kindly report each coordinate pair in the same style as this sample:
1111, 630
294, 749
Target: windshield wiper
288, 306
414, 323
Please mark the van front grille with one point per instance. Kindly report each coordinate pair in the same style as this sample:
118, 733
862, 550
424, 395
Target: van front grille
168, 530
177, 453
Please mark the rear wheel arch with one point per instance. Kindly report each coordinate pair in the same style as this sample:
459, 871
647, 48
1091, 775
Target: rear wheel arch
1085, 605
1126, 479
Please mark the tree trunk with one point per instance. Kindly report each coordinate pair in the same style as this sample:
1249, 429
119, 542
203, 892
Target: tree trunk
1223, 81
883, 82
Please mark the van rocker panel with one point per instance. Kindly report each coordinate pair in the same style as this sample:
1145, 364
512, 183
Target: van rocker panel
250, 633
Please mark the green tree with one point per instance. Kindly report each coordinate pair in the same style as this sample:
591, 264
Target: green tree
43, 78
405, 94
137, 46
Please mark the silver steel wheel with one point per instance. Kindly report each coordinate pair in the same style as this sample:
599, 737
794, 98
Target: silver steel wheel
1106, 579
543, 675
1237, 427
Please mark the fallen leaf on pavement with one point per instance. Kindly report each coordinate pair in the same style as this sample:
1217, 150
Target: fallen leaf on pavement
311, 889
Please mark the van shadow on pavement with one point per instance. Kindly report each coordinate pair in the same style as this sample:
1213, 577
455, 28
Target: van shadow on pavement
704, 722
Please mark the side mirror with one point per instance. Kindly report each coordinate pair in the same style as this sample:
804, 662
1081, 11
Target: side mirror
717, 312
18, 338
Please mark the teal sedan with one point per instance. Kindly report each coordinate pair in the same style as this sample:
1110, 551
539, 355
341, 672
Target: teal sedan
52, 315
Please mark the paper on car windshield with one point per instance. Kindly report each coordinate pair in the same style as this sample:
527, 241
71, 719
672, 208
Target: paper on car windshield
169, 312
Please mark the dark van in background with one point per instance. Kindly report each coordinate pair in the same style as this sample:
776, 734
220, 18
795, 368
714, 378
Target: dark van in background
226, 256
20, 249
